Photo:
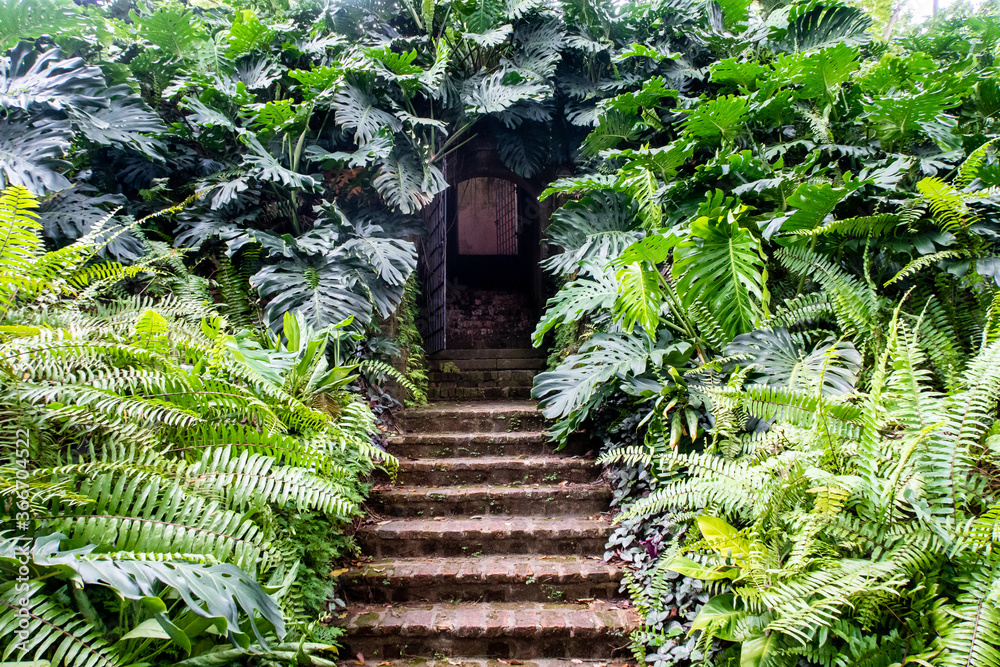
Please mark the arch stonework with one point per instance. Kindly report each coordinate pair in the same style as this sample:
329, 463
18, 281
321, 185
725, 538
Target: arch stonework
485, 286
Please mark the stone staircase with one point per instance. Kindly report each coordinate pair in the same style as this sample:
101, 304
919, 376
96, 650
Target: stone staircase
487, 548
484, 374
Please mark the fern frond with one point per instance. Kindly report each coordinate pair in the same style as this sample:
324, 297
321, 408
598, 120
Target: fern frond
74, 641
969, 169
946, 203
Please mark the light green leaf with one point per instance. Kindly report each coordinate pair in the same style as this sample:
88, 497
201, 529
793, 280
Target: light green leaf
757, 652
720, 615
640, 298
689, 568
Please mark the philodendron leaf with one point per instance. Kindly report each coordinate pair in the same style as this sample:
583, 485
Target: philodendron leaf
724, 538
223, 593
689, 568
721, 267
640, 298
759, 651
719, 617
654, 249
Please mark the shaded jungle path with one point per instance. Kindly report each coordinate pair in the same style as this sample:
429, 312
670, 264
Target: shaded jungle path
489, 544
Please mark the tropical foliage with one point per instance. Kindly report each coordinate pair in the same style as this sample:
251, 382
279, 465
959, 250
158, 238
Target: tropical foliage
778, 303
782, 239
150, 455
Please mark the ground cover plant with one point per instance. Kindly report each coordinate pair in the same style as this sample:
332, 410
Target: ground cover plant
783, 247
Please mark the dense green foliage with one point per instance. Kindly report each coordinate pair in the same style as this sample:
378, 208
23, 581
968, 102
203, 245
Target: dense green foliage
784, 237
779, 243
148, 444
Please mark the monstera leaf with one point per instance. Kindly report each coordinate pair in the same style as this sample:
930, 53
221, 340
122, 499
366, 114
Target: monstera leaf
356, 110
266, 167
613, 127
75, 211
34, 82
392, 260
581, 298
490, 94
173, 30
405, 182
322, 289
31, 154
901, 115
524, 150
480, 16
720, 266
820, 24
224, 594
126, 121
718, 120
31, 19
571, 387
779, 360
596, 228
819, 74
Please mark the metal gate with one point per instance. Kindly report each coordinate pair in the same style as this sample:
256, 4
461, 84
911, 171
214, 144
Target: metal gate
435, 275
507, 218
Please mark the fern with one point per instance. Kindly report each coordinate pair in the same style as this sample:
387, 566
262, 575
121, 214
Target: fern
162, 438
53, 630
380, 370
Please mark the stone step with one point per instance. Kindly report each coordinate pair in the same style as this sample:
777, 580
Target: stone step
440, 393
485, 363
549, 500
473, 417
512, 630
467, 445
496, 353
497, 470
519, 578
488, 378
488, 662
455, 536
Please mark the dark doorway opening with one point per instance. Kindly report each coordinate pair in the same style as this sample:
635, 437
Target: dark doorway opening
491, 265
482, 282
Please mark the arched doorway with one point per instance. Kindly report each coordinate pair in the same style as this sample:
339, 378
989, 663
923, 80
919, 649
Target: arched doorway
481, 279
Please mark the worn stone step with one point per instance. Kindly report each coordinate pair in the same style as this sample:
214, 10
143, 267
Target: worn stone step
460, 661
497, 353
537, 500
490, 416
469, 445
485, 364
436, 393
460, 536
520, 578
497, 470
512, 630
486, 378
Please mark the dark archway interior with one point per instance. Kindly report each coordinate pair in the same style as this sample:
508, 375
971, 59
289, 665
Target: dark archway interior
493, 278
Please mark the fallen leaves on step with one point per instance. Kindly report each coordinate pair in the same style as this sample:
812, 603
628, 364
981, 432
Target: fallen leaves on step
360, 660
509, 662
337, 573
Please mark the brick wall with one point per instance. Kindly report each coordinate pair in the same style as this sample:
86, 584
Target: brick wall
483, 319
